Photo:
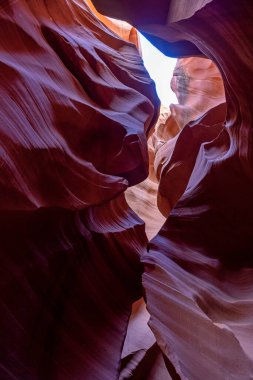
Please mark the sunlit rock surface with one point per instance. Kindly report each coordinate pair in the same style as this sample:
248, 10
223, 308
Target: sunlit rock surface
142, 197
76, 106
121, 28
199, 87
198, 277
199, 115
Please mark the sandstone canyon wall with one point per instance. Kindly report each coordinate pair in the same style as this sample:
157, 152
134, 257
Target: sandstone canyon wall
76, 106
76, 109
198, 275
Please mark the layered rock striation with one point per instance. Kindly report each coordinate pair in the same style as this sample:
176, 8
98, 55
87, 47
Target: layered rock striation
198, 271
76, 107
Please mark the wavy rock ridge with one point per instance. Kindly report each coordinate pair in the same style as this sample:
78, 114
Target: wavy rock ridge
76, 105
198, 271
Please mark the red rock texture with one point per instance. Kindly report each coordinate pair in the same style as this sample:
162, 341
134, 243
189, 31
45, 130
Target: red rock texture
199, 87
58, 80
76, 106
198, 276
174, 155
201, 102
67, 290
121, 28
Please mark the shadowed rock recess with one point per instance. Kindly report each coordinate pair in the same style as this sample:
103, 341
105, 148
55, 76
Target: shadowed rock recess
78, 126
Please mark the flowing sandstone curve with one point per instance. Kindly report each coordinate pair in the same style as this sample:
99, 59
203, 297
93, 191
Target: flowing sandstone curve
142, 198
66, 79
172, 161
199, 270
199, 114
198, 86
76, 107
67, 290
121, 28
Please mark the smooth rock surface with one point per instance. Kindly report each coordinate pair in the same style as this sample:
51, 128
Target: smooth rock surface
198, 272
76, 106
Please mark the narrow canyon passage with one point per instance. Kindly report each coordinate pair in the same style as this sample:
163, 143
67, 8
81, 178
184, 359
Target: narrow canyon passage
125, 227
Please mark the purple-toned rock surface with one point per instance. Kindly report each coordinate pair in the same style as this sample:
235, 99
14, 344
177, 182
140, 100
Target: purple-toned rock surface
198, 275
76, 105
66, 79
76, 108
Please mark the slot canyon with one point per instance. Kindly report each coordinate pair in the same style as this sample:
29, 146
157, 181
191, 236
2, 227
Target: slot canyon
126, 228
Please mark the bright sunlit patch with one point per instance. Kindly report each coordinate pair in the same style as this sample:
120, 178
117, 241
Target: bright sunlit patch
160, 69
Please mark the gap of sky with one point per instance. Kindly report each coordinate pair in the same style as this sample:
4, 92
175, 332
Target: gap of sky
160, 68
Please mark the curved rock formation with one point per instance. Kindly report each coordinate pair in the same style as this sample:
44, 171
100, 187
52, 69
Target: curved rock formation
201, 104
198, 271
172, 157
67, 290
121, 28
57, 81
198, 86
76, 107
142, 197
